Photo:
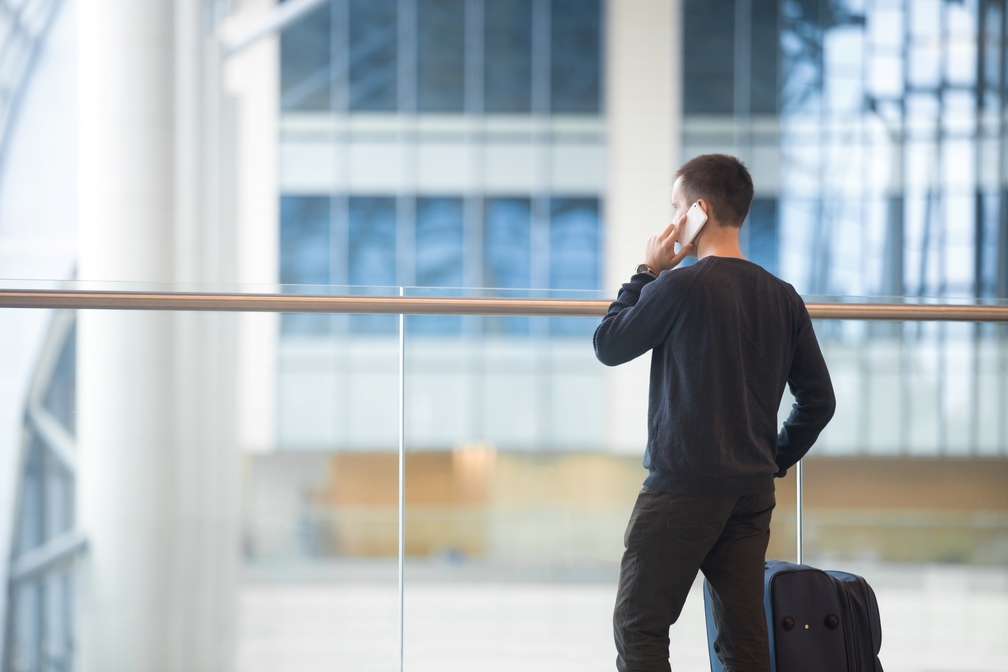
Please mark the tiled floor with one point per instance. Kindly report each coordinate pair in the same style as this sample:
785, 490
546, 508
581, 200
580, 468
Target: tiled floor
935, 619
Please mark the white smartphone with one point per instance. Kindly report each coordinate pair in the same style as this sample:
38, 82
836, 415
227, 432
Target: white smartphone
695, 219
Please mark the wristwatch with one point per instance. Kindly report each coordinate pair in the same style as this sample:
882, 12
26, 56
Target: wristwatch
644, 268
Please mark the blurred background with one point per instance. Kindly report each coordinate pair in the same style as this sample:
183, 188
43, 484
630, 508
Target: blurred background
212, 491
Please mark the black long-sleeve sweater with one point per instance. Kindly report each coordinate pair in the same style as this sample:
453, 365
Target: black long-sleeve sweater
726, 337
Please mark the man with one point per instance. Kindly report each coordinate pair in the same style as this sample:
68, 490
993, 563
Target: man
725, 337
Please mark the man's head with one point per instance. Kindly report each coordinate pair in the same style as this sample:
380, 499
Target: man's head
722, 185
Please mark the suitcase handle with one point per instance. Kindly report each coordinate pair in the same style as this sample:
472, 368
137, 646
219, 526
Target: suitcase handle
798, 512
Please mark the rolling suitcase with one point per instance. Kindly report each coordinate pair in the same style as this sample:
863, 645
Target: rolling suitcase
817, 621
822, 621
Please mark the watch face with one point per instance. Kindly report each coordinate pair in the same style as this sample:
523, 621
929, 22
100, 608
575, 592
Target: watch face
643, 268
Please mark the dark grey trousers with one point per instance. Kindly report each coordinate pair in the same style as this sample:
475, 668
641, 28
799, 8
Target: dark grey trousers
671, 537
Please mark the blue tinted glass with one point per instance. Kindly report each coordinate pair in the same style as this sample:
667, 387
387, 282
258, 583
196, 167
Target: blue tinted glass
764, 57
709, 58
507, 81
574, 254
709, 53
993, 221
304, 255
373, 31
440, 55
507, 252
439, 242
304, 240
372, 233
304, 63
507, 255
575, 61
574, 243
762, 225
439, 245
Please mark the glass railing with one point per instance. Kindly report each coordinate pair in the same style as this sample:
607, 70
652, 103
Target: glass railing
325, 486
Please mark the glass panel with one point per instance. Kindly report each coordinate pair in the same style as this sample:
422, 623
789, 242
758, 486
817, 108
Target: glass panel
760, 233
908, 486
26, 636
321, 530
882, 179
763, 62
508, 60
373, 66
524, 461
708, 51
40, 621
575, 252
506, 243
320, 517
304, 255
507, 255
61, 397
31, 523
59, 498
441, 54
574, 243
575, 56
506, 538
439, 250
372, 243
305, 54
519, 487
41, 611
244, 476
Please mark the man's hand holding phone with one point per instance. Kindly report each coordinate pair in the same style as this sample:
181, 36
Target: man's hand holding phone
661, 254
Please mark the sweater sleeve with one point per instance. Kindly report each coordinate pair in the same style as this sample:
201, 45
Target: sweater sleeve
809, 381
636, 322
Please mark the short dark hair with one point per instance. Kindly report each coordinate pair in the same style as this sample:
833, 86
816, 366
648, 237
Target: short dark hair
723, 181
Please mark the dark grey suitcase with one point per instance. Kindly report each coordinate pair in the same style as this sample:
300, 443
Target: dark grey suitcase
822, 621
817, 621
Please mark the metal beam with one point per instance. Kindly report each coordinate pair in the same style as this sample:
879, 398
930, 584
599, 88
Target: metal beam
272, 22
53, 553
54, 435
427, 305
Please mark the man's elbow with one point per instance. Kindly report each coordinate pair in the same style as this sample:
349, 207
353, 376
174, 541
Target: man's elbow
828, 407
603, 350
606, 356
817, 409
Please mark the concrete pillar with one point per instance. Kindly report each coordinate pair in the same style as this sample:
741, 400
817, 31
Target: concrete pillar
156, 482
644, 122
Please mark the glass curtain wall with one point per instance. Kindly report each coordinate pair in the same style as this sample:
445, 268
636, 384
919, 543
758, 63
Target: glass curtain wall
876, 134
428, 142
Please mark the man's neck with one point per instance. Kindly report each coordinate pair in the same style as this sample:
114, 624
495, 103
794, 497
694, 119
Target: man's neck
720, 241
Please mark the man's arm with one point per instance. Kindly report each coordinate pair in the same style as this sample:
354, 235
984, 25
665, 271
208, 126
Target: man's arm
633, 325
629, 328
809, 381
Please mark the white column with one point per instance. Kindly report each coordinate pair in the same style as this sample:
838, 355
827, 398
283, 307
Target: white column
252, 77
644, 118
155, 489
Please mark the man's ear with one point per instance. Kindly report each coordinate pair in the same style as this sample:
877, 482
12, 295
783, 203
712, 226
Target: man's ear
705, 206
